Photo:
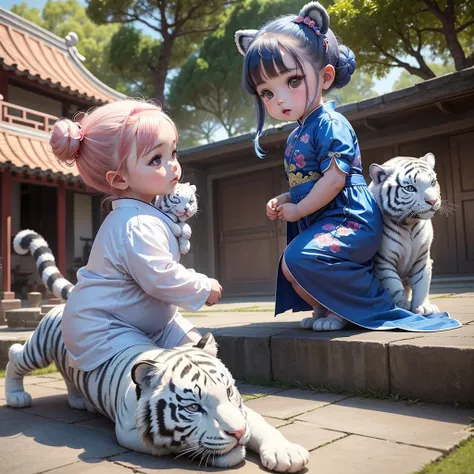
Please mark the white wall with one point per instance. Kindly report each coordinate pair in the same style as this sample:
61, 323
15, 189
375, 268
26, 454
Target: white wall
82, 221
32, 100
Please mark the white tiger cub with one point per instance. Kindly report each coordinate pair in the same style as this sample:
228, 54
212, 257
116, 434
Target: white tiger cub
179, 206
179, 401
408, 194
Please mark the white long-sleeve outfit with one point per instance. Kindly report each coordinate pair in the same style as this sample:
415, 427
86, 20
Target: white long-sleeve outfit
130, 290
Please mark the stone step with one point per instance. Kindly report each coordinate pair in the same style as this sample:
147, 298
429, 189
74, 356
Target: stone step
23, 318
434, 367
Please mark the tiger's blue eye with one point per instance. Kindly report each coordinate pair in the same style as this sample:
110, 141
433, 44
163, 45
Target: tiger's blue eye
193, 408
410, 188
434, 183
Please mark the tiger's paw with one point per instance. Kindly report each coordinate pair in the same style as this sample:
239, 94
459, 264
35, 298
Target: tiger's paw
283, 456
426, 309
18, 399
332, 322
78, 402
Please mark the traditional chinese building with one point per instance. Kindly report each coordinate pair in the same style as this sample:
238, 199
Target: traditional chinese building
42, 78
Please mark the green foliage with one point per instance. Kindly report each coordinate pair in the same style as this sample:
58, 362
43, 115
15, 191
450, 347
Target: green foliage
62, 16
179, 24
407, 80
406, 34
359, 88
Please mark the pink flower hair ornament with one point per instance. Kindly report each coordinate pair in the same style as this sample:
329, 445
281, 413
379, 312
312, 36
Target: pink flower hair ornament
308, 21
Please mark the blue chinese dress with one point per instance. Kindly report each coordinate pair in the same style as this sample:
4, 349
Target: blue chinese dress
330, 252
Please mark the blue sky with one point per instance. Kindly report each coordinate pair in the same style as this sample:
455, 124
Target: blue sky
381, 85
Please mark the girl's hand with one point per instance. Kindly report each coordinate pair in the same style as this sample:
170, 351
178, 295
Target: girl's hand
288, 212
215, 294
273, 204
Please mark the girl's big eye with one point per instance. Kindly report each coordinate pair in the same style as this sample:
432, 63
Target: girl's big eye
295, 81
155, 161
266, 94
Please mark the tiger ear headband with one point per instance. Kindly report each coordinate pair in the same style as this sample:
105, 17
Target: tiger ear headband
243, 38
312, 15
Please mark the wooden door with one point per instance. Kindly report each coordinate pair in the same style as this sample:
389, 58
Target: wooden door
248, 242
463, 186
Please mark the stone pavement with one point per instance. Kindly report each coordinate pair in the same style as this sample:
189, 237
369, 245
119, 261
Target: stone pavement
345, 434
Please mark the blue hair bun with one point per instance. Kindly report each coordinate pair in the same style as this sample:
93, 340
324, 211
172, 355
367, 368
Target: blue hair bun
344, 67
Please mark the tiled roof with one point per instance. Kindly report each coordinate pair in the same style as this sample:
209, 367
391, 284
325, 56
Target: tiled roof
29, 152
41, 56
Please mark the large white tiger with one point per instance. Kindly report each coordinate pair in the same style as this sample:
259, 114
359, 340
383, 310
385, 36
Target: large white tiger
408, 194
175, 401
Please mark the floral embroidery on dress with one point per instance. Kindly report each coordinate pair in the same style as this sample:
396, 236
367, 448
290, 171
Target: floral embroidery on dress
299, 161
288, 150
305, 138
329, 238
297, 178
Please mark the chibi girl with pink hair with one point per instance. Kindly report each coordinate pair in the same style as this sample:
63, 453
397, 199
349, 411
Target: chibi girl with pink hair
129, 291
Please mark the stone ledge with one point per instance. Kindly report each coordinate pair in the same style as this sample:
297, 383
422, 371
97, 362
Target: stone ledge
435, 367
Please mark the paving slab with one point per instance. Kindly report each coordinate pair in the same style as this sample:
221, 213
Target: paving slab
92, 466
309, 435
52, 403
46, 444
434, 368
359, 455
101, 423
290, 403
427, 426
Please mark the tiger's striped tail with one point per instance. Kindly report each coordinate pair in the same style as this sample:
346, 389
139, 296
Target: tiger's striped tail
30, 241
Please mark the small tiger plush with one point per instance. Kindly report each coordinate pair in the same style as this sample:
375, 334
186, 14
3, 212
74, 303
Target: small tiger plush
179, 401
408, 194
179, 206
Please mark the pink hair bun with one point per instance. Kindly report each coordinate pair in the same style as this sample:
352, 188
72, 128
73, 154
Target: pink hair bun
65, 140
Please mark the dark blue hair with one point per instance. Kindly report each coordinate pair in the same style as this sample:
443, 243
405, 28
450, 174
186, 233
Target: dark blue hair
300, 42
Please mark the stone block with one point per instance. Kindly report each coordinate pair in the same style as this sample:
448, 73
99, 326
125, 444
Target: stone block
4, 347
6, 305
345, 361
18, 318
54, 301
246, 351
45, 308
434, 368
34, 298
7, 295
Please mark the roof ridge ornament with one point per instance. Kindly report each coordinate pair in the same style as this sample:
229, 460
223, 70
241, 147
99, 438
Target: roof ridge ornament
71, 40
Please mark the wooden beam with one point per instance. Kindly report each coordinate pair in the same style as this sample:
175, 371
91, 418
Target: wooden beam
61, 229
6, 228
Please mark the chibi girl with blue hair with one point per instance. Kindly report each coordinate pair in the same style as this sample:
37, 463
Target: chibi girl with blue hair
334, 224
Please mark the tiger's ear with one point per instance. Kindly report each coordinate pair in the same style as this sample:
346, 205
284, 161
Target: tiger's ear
430, 160
143, 371
378, 173
243, 38
192, 188
208, 344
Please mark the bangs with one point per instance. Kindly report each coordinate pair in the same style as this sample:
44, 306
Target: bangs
264, 60
144, 132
